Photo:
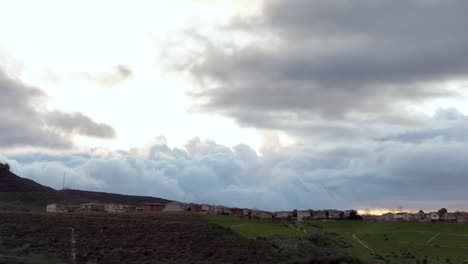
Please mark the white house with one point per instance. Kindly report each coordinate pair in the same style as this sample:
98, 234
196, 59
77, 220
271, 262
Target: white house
174, 207
387, 217
56, 208
408, 217
335, 214
114, 208
94, 207
205, 207
283, 214
434, 216
301, 214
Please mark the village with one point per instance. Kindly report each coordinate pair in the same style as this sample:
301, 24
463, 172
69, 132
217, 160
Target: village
299, 215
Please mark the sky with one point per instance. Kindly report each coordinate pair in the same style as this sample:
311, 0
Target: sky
275, 104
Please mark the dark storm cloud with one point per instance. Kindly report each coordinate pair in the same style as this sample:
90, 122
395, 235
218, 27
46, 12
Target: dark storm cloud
24, 122
315, 60
77, 123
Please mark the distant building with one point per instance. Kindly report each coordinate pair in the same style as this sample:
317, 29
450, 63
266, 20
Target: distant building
237, 211
174, 207
153, 207
434, 216
93, 207
449, 217
114, 208
220, 209
194, 207
60, 208
319, 215
261, 214
283, 214
419, 217
205, 207
387, 217
119, 208
303, 214
335, 214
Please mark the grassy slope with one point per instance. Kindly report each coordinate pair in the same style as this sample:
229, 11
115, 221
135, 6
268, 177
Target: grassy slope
254, 228
406, 242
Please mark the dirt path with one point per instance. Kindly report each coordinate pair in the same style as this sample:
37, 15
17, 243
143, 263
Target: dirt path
362, 243
432, 238
239, 225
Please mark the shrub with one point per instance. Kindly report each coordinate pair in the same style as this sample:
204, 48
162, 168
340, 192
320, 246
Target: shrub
5, 166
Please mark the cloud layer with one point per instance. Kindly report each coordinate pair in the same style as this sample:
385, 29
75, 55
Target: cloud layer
331, 65
24, 120
412, 170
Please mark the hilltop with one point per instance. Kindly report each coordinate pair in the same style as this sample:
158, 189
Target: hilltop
21, 194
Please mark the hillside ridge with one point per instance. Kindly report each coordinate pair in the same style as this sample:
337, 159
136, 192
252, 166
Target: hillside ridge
21, 194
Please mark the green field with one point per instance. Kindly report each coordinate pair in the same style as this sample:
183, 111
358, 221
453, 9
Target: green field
255, 228
402, 242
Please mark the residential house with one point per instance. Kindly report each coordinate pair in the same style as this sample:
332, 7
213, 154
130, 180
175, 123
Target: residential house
261, 214
399, 216
153, 207
237, 211
93, 207
174, 207
60, 208
449, 217
246, 211
221, 209
303, 214
387, 217
434, 216
347, 213
419, 217
335, 214
319, 215
194, 207
114, 208
205, 207
283, 214
372, 218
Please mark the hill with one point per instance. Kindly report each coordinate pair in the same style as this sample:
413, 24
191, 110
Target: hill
20, 194
9, 182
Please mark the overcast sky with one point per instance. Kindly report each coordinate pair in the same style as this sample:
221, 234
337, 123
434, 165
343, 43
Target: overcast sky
275, 104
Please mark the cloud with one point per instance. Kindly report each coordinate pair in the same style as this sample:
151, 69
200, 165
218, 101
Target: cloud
447, 124
77, 123
429, 174
302, 64
118, 74
24, 121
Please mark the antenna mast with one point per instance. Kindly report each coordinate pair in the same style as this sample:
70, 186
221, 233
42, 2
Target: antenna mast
63, 182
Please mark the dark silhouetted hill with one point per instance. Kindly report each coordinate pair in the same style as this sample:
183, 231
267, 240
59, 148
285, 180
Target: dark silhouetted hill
20, 194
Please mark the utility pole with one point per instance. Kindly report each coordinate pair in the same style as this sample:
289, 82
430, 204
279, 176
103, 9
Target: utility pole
63, 182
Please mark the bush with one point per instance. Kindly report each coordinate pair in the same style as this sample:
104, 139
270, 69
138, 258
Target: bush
5, 166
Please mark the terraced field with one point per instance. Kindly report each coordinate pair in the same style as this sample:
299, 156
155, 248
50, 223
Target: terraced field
183, 238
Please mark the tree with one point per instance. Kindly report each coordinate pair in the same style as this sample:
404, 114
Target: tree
5, 166
367, 212
421, 212
442, 211
353, 215
342, 215
294, 213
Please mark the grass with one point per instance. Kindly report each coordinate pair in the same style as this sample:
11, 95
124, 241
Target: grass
403, 242
254, 228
